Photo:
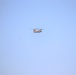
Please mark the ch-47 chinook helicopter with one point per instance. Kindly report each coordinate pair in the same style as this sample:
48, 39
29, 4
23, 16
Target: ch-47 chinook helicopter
37, 30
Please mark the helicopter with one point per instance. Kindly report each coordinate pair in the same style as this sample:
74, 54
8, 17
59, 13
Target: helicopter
35, 30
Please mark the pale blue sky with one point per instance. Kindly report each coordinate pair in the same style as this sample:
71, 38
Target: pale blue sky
52, 52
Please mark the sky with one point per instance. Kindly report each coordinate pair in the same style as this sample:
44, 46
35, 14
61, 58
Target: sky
52, 52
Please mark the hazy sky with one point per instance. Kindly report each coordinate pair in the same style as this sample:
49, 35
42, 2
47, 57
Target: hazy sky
52, 52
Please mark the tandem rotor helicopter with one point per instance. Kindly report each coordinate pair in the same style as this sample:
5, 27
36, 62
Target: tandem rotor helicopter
37, 30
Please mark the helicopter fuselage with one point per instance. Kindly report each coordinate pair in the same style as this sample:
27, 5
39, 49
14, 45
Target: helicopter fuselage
37, 30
